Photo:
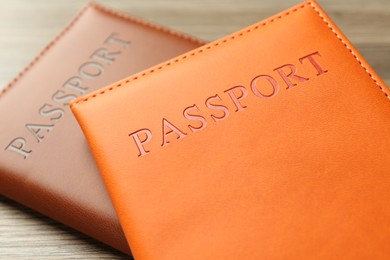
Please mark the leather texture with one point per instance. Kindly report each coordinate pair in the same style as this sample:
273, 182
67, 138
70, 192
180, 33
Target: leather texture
58, 177
270, 143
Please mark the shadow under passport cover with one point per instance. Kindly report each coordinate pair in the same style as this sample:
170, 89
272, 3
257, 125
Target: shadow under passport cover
271, 143
45, 162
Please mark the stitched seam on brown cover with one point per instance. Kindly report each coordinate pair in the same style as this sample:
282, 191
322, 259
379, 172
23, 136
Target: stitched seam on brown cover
146, 23
47, 48
76, 19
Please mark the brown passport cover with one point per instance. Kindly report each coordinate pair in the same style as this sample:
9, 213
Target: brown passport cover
45, 162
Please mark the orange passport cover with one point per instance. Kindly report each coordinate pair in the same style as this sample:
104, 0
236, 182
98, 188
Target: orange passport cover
271, 143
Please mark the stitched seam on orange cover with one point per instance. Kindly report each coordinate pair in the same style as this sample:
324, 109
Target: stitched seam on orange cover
349, 49
88, 97
76, 19
208, 47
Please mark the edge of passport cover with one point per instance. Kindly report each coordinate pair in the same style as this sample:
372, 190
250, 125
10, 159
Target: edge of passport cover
82, 114
107, 10
118, 241
348, 45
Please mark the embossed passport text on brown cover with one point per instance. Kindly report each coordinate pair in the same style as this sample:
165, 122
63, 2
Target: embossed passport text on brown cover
45, 162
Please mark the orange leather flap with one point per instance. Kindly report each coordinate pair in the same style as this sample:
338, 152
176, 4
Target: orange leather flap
272, 142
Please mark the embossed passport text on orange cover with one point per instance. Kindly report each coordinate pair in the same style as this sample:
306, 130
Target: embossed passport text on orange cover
45, 162
271, 143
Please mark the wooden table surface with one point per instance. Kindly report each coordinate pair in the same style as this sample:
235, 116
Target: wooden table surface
26, 26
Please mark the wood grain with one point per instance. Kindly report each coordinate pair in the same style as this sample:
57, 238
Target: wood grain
26, 26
